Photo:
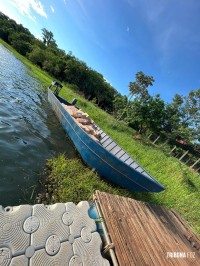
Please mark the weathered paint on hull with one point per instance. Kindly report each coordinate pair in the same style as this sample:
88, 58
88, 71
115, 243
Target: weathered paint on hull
96, 156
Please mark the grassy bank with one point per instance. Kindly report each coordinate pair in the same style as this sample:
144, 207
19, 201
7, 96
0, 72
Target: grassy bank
182, 185
71, 180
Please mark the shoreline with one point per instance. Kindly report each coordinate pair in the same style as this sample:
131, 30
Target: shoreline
182, 185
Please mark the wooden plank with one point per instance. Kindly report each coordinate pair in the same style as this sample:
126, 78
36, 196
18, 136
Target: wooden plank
143, 233
122, 248
139, 220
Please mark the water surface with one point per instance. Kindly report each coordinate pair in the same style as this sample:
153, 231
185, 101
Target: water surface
29, 132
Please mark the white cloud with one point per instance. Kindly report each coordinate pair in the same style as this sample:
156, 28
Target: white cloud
52, 9
10, 14
26, 7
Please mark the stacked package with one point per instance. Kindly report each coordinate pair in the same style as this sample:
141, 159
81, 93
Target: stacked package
84, 121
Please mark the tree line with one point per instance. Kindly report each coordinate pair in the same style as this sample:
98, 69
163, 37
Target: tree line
179, 119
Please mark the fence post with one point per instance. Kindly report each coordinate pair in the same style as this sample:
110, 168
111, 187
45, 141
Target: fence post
164, 143
183, 155
197, 169
195, 163
156, 139
188, 161
172, 149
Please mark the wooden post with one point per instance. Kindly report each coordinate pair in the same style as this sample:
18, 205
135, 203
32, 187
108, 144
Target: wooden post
187, 160
156, 139
172, 149
195, 163
183, 155
197, 169
165, 143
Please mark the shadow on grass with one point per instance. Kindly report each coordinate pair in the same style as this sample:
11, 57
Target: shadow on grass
141, 196
190, 185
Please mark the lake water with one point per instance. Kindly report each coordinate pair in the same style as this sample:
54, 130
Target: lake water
29, 132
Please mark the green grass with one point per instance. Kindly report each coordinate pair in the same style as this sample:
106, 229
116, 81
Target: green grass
71, 180
182, 185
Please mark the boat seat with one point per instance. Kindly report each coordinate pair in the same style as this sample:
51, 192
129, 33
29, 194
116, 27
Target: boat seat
107, 142
104, 139
134, 165
115, 150
111, 146
129, 161
124, 157
103, 134
120, 154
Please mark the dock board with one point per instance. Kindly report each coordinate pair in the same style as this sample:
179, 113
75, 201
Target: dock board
147, 234
54, 235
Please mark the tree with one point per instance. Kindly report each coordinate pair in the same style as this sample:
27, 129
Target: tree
48, 37
119, 104
6, 27
184, 116
4, 33
20, 42
138, 88
37, 56
147, 114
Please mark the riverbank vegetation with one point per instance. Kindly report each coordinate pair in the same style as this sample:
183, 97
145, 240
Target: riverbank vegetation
71, 180
143, 112
182, 185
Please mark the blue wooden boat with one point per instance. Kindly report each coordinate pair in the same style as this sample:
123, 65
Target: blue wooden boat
104, 155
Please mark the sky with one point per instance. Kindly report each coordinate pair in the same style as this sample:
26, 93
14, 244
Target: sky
118, 38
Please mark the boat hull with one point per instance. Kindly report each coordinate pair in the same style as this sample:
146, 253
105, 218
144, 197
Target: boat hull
97, 157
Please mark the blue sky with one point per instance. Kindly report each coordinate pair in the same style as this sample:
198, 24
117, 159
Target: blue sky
118, 38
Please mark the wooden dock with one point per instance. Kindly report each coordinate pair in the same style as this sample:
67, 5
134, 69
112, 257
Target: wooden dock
147, 234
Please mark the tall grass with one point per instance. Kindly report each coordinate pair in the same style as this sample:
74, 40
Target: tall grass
71, 180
